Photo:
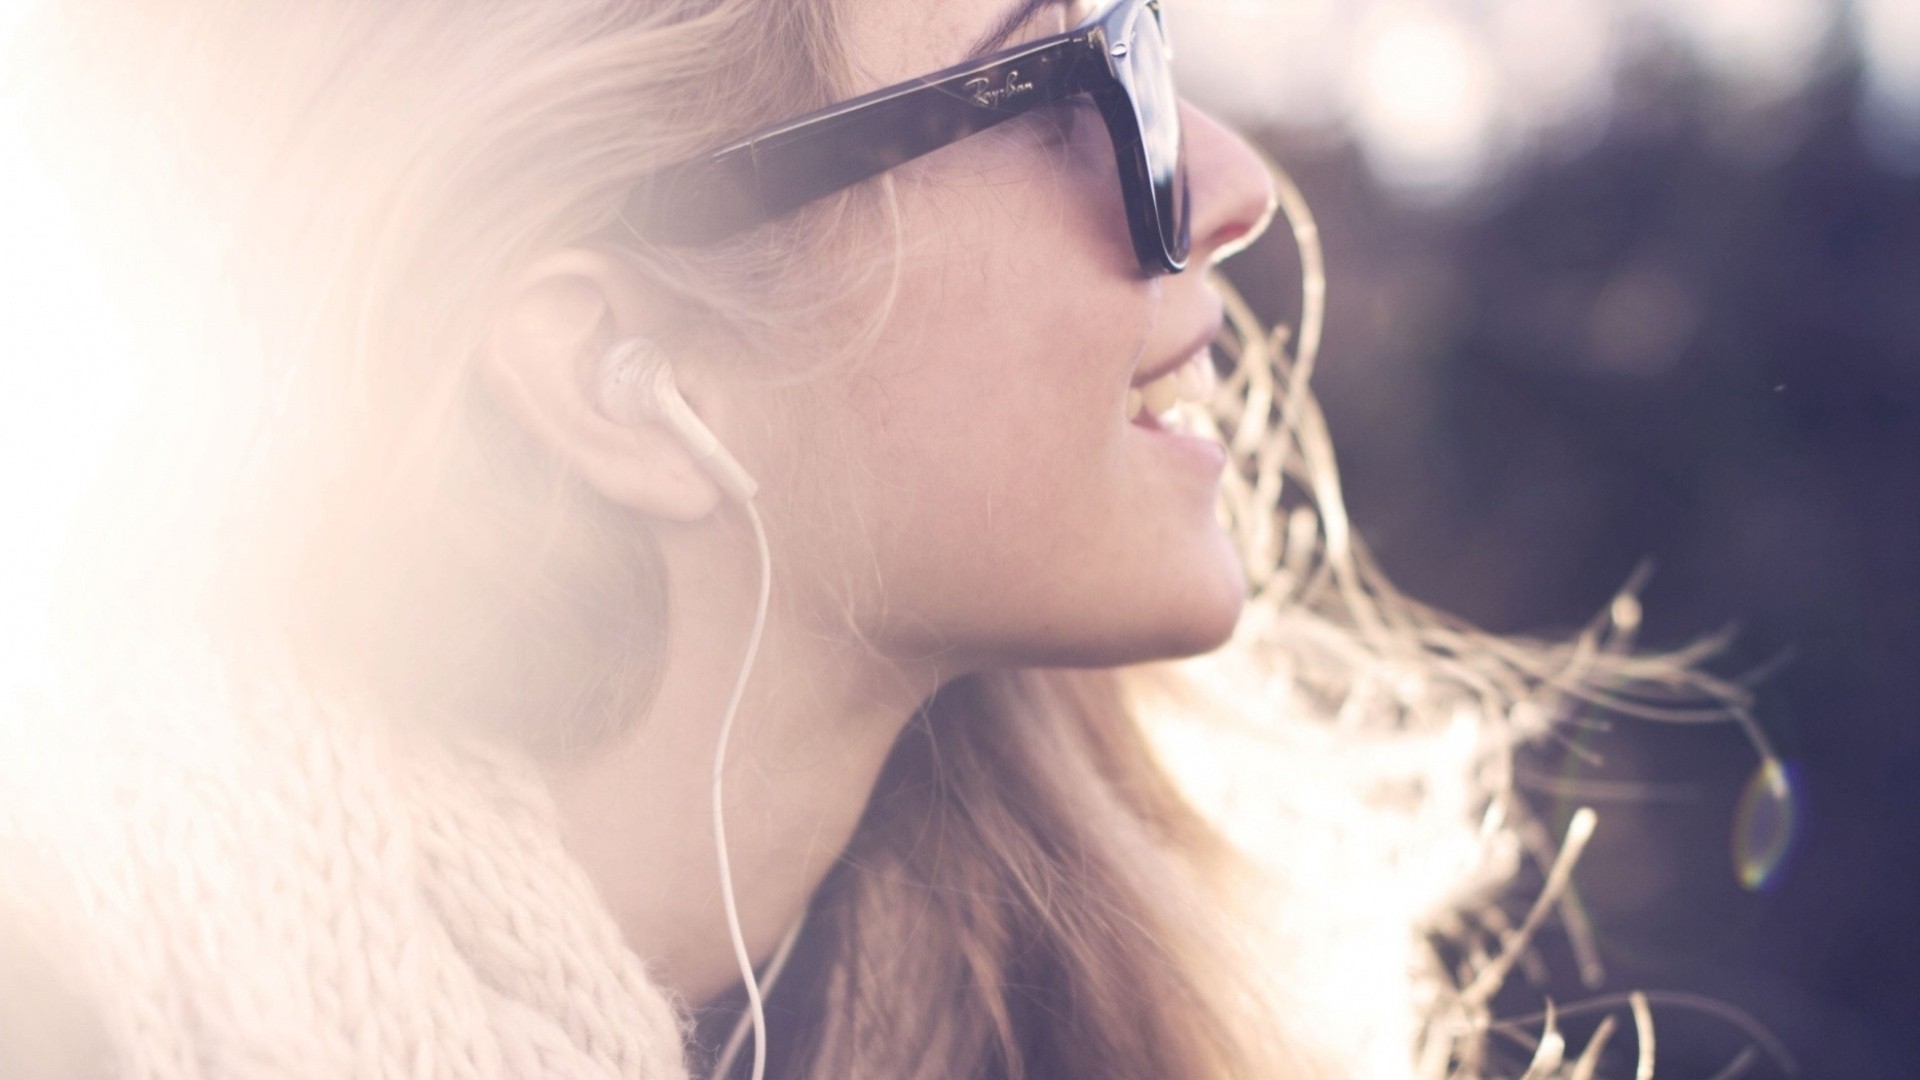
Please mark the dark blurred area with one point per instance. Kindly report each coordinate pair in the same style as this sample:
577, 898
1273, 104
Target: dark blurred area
1691, 341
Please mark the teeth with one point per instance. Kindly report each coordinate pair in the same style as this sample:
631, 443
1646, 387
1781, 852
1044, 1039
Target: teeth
1197, 380
1193, 381
1162, 393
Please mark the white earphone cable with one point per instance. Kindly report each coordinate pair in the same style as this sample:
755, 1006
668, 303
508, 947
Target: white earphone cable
723, 1065
756, 1009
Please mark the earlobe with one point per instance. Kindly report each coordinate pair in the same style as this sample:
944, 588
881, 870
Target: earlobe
542, 362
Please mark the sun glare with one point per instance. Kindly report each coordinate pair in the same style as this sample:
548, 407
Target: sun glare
67, 382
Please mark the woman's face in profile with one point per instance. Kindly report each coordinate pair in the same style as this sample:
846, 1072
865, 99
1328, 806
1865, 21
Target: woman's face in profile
1012, 513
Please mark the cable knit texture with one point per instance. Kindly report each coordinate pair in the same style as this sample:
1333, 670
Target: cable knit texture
245, 880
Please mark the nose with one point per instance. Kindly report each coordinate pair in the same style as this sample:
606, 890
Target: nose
1231, 189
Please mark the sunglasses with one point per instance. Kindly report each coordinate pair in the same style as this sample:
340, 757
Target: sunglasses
1119, 55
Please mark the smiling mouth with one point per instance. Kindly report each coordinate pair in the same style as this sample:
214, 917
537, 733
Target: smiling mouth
1154, 403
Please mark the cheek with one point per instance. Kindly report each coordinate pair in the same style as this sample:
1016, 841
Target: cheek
989, 398
987, 489
1017, 314
993, 409
988, 443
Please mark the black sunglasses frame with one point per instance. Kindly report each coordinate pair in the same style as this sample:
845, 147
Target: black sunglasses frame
779, 169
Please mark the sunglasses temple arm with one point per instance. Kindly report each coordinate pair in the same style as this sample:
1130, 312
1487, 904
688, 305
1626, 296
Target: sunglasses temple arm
773, 174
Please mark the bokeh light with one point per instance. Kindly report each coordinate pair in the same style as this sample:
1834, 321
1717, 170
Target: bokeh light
1889, 36
1421, 98
1762, 51
1444, 97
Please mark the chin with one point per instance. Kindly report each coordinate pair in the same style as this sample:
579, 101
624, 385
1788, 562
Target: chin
1204, 622
1185, 615
1201, 607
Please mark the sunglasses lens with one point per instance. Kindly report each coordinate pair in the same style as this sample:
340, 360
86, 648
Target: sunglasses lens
1158, 105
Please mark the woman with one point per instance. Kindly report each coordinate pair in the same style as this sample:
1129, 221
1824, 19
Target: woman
415, 613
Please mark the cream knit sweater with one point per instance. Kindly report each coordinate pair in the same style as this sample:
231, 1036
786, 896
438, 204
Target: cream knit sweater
241, 880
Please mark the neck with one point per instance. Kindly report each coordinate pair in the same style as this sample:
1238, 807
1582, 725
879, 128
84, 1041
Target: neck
820, 715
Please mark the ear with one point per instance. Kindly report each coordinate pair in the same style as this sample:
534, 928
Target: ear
541, 362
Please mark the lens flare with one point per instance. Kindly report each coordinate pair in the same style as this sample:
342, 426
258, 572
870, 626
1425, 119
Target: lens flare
64, 387
1764, 826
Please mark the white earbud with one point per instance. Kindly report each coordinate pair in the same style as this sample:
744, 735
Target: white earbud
636, 382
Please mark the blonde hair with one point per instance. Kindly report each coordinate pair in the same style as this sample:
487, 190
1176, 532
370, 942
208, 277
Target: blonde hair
1032, 893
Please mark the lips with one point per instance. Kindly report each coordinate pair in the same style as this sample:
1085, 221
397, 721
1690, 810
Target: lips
1199, 344
1186, 377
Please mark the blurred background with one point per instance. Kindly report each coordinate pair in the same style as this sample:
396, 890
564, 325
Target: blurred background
1626, 282
1613, 283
